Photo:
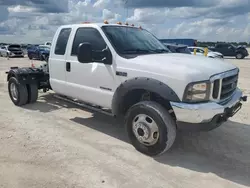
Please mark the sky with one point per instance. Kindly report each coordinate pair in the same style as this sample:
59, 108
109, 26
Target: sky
35, 21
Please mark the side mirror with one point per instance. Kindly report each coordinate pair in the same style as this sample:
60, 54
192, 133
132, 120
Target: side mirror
84, 54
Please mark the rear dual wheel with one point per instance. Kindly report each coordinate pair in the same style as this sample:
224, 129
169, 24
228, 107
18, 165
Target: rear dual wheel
150, 127
22, 94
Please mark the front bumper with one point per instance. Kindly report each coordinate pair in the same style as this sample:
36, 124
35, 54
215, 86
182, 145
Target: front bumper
206, 116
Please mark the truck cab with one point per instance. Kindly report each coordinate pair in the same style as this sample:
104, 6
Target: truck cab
127, 70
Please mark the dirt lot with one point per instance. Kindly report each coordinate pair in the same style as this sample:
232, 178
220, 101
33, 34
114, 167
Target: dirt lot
55, 144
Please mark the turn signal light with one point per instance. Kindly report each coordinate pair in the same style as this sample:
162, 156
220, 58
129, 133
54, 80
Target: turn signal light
106, 22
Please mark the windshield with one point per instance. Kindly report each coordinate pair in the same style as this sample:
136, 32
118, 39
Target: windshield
129, 40
44, 48
14, 46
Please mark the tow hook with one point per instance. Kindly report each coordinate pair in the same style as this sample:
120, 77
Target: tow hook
244, 98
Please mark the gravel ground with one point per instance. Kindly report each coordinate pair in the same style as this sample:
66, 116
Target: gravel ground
55, 144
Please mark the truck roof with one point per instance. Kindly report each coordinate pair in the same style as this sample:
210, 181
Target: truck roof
96, 25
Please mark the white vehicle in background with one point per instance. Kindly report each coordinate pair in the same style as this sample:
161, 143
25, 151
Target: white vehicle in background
3, 51
200, 51
47, 43
12, 50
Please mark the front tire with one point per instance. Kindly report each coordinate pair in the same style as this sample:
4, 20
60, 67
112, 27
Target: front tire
239, 56
18, 92
151, 129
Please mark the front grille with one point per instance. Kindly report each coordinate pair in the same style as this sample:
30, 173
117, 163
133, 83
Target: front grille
229, 85
17, 53
224, 86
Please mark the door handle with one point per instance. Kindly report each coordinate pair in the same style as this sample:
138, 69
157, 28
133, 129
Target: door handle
68, 67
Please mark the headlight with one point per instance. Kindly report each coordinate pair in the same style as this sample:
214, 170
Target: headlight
197, 92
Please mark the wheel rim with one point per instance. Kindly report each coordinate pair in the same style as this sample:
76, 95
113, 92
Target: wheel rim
145, 129
13, 91
239, 56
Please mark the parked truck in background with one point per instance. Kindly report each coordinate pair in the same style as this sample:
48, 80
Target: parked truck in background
126, 72
240, 52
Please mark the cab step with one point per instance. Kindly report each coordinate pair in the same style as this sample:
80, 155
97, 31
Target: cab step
85, 105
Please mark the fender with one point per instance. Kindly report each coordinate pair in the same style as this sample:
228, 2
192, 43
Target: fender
148, 84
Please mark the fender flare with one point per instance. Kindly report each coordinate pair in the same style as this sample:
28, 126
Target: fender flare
13, 72
25, 75
239, 51
149, 84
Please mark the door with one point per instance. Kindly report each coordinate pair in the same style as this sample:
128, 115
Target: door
230, 50
90, 82
57, 62
225, 50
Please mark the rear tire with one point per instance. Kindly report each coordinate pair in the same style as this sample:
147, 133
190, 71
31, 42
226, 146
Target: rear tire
32, 93
162, 137
18, 92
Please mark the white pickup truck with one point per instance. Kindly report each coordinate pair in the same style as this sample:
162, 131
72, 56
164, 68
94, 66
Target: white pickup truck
128, 72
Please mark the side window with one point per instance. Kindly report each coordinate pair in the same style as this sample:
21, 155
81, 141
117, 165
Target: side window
200, 51
90, 35
219, 46
62, 41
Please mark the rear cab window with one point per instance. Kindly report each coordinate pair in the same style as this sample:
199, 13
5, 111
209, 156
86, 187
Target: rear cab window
62, 41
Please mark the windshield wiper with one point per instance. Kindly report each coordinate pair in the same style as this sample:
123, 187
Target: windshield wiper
138, 51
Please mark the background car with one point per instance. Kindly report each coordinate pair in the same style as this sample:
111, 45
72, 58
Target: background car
40, 52
13, 50
177, 48
3, 51
240, 52
200, 51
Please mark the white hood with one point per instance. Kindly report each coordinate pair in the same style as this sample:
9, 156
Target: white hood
198, 67
214, 54
174, 69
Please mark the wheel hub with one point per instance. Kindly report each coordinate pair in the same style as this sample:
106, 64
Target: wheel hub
145, 130
13, 90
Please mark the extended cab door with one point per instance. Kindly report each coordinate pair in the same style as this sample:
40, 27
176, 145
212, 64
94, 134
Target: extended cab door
90, 82
57, 61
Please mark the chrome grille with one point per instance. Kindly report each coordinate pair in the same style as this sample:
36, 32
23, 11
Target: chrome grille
229, 85
224, 85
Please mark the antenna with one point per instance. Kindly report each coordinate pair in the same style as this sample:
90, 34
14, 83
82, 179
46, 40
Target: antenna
125, 2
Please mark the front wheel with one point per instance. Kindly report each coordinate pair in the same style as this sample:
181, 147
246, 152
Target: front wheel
150, 127
239, 56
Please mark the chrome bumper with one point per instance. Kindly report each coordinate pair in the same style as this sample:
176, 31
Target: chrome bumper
204, 112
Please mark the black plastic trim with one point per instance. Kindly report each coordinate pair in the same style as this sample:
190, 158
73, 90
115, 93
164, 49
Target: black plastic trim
148, 84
